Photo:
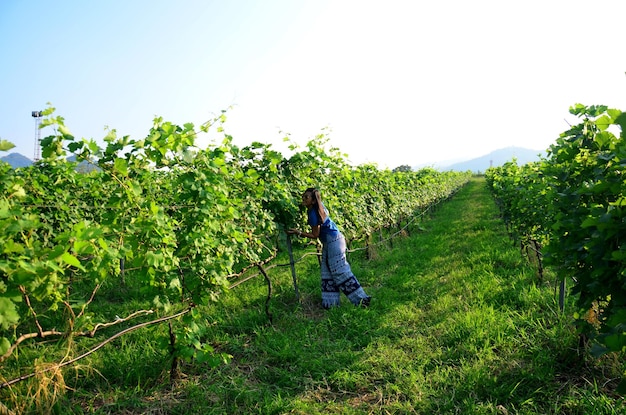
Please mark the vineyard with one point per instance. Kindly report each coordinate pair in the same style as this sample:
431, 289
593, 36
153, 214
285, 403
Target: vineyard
569, 212
163, 228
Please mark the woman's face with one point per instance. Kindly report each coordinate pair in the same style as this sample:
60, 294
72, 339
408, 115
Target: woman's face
307, 199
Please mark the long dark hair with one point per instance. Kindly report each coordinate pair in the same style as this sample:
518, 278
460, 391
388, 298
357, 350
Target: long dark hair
317, 202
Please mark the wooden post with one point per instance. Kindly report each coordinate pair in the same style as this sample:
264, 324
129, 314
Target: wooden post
122, 271
539, 259
269, 293
293, 267
562, 295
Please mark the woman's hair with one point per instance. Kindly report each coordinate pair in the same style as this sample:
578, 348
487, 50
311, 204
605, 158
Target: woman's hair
317, 202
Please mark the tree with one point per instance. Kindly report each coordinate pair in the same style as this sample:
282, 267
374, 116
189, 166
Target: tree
403, 168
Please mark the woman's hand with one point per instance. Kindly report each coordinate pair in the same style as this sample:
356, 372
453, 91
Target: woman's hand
294, 231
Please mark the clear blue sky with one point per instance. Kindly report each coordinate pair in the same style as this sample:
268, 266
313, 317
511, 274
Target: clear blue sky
398, 82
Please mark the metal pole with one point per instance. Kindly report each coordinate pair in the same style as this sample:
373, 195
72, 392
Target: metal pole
292, 266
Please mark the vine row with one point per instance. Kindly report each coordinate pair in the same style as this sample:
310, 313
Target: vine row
572, 207
167, 222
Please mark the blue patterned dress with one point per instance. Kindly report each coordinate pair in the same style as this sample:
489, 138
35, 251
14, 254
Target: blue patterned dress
336, 273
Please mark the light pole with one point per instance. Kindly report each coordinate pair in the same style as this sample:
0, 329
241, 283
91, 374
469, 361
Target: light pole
37, 116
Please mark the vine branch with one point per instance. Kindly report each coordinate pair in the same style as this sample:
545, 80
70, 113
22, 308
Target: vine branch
42, 334
100, 345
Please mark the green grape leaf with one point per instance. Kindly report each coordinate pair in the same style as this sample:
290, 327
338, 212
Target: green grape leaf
6, 145
5, 345
621, 121
71, 260
8, 313
121, 166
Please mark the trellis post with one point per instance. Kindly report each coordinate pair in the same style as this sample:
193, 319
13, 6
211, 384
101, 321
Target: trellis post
293, 267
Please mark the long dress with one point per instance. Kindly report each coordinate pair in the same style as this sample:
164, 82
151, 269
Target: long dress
337, 275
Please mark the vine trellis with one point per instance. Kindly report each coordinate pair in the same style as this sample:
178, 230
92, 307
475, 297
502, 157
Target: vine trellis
174, 221
571, 206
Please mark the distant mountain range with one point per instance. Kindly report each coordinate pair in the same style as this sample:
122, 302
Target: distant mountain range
494, 159
498, 158
17, 160
477, 165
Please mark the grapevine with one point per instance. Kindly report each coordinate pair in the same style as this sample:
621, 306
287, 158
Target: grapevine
574, 201
163, 223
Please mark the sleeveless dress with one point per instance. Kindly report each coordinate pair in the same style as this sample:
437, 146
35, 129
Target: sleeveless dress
337, 275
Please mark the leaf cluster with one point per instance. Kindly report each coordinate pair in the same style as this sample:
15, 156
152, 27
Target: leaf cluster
576, 201
162, 223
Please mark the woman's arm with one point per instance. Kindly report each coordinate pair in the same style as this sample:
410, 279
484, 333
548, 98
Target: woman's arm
314, 234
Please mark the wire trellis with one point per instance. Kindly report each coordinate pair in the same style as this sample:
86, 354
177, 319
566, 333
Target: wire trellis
318, 254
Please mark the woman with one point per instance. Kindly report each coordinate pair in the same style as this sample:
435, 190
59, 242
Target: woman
336, 272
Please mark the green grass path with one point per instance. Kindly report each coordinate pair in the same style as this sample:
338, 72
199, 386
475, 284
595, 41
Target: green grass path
458, 325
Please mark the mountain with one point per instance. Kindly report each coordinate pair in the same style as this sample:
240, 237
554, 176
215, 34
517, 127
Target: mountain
17, 160
83, 166
498, 158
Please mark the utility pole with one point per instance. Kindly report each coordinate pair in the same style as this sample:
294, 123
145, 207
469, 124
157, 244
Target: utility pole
37, 116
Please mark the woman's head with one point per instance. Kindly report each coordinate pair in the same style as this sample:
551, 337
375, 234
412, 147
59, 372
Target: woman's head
312, 199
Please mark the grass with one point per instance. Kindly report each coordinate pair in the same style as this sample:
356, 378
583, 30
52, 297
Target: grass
458, 324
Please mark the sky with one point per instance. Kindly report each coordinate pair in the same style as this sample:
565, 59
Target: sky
393, 82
